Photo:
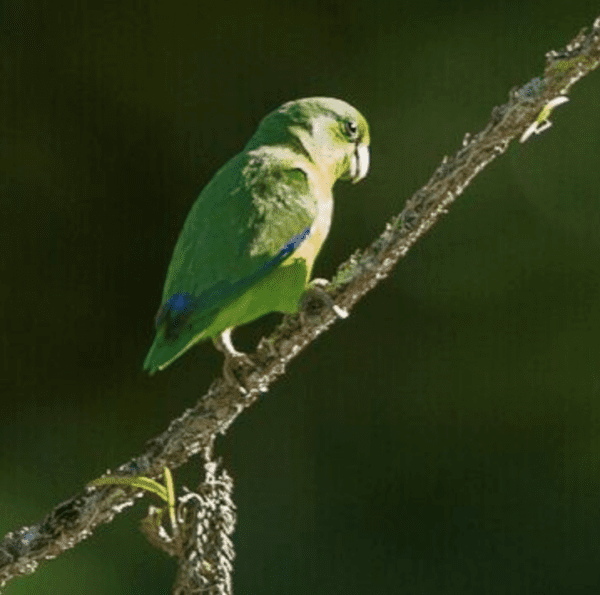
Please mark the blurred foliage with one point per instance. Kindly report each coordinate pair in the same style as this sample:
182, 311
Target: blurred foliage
445, 439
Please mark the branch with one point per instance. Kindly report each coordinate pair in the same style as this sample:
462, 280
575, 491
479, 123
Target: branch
526, 112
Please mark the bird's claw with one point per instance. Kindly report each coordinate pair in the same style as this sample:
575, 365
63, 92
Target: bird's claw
237, 364
235, 368
315, 293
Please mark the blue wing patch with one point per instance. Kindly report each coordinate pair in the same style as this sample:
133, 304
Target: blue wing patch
180, 306
286, 250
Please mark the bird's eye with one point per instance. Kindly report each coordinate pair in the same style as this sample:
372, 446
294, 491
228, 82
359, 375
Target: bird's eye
351, 129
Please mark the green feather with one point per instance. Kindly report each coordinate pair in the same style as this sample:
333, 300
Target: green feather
249, 242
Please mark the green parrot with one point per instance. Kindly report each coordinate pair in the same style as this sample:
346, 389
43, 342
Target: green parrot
249, 243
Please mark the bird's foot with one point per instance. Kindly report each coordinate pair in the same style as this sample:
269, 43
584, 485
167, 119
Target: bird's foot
236, 368
237, 364
315, 297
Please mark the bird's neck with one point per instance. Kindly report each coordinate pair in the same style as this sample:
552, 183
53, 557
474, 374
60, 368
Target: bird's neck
316, 153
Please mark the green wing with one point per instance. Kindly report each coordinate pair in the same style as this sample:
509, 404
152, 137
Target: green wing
250, 217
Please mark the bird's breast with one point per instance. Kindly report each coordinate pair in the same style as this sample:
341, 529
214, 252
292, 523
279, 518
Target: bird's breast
309, 248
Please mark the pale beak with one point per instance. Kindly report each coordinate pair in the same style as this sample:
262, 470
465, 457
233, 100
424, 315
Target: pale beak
359, 163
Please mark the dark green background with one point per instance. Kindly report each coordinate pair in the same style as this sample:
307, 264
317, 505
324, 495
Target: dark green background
445, 439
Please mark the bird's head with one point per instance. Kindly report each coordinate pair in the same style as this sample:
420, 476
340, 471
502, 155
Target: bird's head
332, 133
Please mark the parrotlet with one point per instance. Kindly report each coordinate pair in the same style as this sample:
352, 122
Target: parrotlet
250, 240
